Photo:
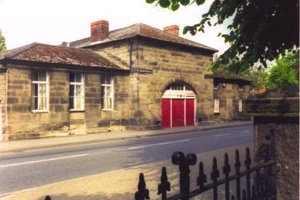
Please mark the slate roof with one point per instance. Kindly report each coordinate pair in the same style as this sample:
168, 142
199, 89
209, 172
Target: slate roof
43, 53
221, 75
142, 30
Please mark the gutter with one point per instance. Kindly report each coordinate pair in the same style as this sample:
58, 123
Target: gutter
60, 66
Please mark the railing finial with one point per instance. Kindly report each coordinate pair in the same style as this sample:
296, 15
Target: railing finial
143, 192
202, 177
248, 160
165, 185
47, 197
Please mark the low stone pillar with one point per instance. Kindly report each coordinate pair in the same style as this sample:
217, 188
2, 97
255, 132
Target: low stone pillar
276, 136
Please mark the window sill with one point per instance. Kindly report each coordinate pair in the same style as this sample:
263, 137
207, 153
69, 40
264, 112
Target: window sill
107, 110
39, 111
74, 110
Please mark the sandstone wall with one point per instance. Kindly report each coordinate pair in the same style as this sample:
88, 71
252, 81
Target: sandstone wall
168, 64
154, 66
59, 120
229, 96
2, 104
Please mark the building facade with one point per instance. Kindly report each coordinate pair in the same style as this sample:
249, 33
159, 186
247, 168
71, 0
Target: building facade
137, 77
228, 96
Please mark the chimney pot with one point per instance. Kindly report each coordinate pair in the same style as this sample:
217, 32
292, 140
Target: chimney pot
99, 30
173, 29
65, 44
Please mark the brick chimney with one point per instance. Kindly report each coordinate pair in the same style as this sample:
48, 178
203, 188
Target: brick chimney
99, 30
173, 29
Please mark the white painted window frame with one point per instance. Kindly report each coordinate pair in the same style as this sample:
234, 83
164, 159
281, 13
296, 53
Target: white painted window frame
240, 105
108, 92
40, 97
78, 98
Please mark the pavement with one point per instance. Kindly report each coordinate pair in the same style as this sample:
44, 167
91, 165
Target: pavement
119, 184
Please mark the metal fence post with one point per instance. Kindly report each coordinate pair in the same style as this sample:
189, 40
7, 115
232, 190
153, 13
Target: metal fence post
184, 163
248, 165
165, 185
226, 171
202, 176
237, 173
214, 177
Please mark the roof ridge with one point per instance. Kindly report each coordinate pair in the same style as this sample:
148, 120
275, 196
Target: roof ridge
138, 28
179, 37
144, 30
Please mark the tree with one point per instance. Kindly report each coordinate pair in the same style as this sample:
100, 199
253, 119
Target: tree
284, 72
257, 76
260, 30
2, 42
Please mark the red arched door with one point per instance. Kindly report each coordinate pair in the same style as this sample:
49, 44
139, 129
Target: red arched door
178, 107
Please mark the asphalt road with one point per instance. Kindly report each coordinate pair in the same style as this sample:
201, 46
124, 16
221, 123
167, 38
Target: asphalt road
34, 168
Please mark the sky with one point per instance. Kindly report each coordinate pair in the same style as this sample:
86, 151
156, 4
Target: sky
54, 21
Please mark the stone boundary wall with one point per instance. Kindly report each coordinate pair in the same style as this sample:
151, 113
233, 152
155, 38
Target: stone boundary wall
276, 136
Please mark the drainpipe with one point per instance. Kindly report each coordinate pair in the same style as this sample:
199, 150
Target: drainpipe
130, 55
131, 43
137, 71
138, 85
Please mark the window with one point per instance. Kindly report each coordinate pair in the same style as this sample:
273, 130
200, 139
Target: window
76, 91
107, 93
40, 91
216, 105
241, 87
179, 87
240, 105
216, 84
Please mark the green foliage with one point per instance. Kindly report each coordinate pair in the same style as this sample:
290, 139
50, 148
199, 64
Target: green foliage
257, 76
261, 30
2, 42
284, 71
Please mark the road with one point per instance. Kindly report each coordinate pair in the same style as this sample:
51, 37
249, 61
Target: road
34, 168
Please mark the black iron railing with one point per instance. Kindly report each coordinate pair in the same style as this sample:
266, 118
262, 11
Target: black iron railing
259, 190
263, 187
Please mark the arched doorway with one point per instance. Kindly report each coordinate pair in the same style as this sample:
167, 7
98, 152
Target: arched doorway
178, 106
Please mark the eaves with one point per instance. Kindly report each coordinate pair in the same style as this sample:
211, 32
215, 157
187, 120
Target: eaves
58, 66
141, 37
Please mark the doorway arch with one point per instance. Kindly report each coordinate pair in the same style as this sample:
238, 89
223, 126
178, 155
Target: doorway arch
178, 105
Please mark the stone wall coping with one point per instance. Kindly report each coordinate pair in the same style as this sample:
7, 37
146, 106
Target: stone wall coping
284, 106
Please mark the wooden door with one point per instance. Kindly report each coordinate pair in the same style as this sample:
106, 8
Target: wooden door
190, 112
166, 112
178, 112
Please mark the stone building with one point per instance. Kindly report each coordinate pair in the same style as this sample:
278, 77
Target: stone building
228, 96
50, 90
137, 77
